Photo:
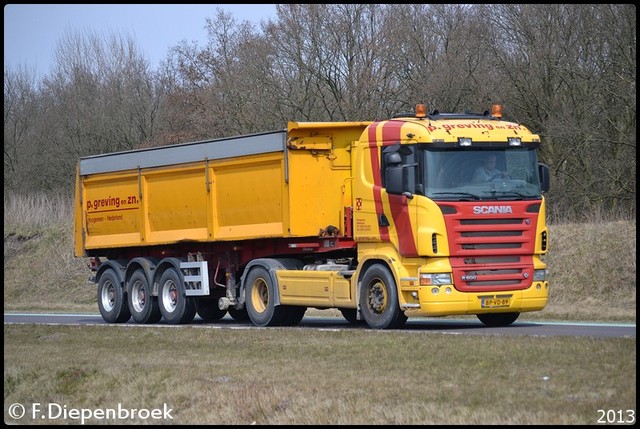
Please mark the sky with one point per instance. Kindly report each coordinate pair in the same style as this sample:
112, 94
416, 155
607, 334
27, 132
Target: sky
32, 31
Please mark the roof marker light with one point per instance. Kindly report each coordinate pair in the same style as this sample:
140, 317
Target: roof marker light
464, 141
496, 110
514, 141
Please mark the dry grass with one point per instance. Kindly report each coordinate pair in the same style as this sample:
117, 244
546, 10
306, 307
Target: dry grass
293, 376
40, 270
597, 261
33, 212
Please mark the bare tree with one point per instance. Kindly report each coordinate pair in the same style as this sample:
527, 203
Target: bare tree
111, 81
99, 97
567, 71
222, 88
330, 59
21, 112
570, 85
438, 56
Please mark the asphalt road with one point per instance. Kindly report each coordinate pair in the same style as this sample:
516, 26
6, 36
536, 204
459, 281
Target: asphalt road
448, 326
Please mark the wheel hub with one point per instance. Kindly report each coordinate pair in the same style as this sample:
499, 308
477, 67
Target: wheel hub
377, 298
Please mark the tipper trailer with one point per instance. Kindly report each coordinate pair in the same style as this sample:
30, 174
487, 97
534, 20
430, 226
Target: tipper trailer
381, 220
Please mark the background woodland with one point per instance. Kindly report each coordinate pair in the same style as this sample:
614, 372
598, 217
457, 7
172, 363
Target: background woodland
568, 72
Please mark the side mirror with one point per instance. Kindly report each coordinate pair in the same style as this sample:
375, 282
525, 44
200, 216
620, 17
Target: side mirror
397, 177
394, 179
392, 159
545, 177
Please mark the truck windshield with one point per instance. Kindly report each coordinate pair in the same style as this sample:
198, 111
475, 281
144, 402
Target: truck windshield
480, 174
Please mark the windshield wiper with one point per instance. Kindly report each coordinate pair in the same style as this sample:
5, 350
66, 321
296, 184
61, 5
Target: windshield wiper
465, 194
509, 194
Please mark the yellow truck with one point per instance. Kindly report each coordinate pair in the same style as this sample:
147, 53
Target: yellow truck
423, 214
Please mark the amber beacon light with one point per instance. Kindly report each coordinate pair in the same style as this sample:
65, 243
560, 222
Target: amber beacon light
496, 110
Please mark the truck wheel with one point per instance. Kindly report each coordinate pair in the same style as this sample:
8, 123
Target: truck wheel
294, 316
379, 299
143, 307
175, 306
208, 309
190, 312
498, 319
261, 299
112, 299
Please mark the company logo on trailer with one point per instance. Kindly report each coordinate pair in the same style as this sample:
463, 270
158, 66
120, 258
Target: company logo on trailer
482, 210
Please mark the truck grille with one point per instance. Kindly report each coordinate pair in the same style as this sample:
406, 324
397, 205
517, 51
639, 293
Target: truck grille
491, 253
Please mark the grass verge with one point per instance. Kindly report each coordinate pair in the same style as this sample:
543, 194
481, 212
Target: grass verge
293, 376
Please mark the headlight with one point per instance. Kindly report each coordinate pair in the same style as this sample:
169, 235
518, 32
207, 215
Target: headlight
435, 279
539, 275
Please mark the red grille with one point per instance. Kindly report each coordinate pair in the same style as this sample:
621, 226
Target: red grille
491, 245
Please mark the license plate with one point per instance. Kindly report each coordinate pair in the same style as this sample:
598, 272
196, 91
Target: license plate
495, 302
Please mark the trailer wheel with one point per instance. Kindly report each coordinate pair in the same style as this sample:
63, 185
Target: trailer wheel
112, 299
498, 319
379, 299
175, 306
208, 309
142, 305
190, 312
261, 299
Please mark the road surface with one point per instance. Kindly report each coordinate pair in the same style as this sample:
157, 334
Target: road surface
442, 325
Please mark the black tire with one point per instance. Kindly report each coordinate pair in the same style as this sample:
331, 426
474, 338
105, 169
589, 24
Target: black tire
260, 299
379, 299
498, 319
190, 312
239, 315
175, 306
294, 316
112, 299
208, 310
351, 315
142, 305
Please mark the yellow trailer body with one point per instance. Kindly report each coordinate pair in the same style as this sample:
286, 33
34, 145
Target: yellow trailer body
290, 183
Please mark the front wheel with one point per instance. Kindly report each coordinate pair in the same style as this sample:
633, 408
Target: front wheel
498, 319
379, 303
